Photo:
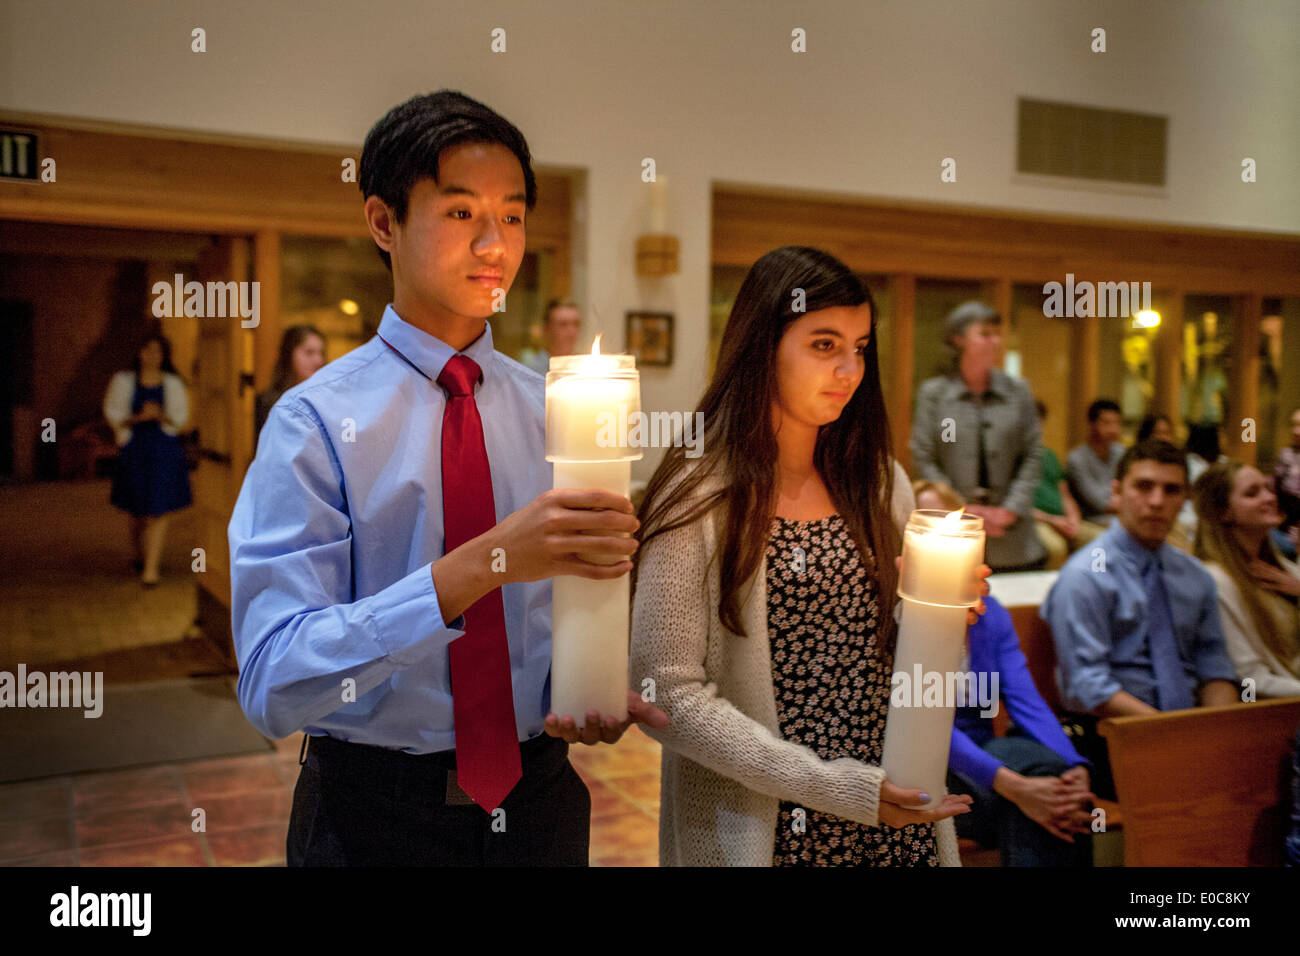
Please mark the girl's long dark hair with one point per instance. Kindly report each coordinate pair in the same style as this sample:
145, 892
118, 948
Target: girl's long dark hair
282, 378
166, 366
852, 453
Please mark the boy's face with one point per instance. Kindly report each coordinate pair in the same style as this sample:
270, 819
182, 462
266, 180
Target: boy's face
463, 237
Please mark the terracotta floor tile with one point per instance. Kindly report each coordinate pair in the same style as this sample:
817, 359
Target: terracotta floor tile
36, 798
632, 832
289, 745
173, 851
24, 838
611, 761
214, 778
118, 789
62, 858
605, 801
642, 789
241, 811
132, 824
645, 858
254, 846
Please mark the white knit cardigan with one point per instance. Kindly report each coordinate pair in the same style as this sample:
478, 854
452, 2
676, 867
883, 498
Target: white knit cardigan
725, 766
117, 404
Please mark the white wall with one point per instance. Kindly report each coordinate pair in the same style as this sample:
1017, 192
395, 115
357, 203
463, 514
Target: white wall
712, 92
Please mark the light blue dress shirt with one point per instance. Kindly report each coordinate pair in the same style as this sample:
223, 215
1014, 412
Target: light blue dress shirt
337, 525
1099, 621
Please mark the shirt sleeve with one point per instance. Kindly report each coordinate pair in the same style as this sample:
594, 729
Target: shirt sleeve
1025, 705
1077, 610
969, 760
299, 630
1212, 660
924, 462
1020, 494
117, 407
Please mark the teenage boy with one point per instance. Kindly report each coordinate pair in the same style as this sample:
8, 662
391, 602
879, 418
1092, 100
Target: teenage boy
393, 541
1135, 620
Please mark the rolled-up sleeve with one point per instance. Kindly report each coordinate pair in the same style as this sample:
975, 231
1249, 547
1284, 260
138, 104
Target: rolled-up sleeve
298, 630
1024, 483
1077, 609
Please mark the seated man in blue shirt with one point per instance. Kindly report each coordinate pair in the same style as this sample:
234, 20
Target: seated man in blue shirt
408, 635
1135, 621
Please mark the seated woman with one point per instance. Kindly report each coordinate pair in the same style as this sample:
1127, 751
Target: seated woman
765, 593
1258, 589
1030, 788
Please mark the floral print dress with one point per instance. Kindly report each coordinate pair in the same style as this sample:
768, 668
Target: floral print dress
832, 661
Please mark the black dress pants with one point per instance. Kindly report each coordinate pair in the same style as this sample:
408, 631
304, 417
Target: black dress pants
356, 805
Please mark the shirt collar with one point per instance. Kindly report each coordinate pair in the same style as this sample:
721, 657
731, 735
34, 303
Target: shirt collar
428, 353
997, 383
1129, 546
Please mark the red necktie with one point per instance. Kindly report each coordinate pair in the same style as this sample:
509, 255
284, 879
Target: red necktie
483, 708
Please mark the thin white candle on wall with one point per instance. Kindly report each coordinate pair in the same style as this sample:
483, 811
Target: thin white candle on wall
590, 619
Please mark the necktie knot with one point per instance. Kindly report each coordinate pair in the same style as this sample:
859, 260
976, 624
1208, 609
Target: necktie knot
459, 375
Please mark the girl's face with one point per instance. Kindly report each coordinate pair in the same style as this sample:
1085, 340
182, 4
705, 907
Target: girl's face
151, 356
1163, 431
308, 357
1252, 503
820, 363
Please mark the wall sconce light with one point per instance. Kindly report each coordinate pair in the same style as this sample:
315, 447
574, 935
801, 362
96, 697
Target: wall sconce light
656, 251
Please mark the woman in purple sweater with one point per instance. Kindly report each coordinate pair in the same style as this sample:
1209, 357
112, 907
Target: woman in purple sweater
1030, 789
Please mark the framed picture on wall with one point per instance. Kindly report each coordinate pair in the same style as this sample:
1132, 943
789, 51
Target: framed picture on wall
650, 337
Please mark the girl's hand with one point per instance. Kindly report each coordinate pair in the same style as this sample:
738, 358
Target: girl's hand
895, 801
1275, 579
982, 586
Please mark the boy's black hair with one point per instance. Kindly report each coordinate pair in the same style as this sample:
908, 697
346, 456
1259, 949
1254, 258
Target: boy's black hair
1102, 405
404, 146
1152, 449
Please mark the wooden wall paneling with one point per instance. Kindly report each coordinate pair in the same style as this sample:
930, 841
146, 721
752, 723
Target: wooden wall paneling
898, 402
266, 336
1169, 356
1243, 380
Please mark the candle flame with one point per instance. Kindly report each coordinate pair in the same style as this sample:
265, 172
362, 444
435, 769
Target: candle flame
953, 517
595, 346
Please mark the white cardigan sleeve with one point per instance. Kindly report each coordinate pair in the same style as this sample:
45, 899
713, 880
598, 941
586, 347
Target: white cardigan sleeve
671, 621
176, 404
1249, 658
117, 405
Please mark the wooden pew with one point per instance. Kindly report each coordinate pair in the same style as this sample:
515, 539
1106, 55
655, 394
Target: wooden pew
1205, 787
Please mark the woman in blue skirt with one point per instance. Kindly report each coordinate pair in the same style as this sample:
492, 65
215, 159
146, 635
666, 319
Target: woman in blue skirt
147, 407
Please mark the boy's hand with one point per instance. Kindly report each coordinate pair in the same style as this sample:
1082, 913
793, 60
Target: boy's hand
544, 538
540, 540
606, 730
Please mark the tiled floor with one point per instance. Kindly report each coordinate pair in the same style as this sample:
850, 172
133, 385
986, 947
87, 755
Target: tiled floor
66, 586
146, 817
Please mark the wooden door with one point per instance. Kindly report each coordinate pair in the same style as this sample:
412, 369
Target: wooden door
222, 412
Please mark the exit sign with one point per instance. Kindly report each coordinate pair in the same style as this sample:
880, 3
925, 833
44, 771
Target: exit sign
18, 155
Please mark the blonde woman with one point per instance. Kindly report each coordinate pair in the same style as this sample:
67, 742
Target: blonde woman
1259, 590
764, 601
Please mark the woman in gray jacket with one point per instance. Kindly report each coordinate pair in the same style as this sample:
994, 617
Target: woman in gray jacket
976, 430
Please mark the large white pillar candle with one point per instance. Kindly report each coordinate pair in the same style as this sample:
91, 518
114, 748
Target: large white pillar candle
589, 619
937, 585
